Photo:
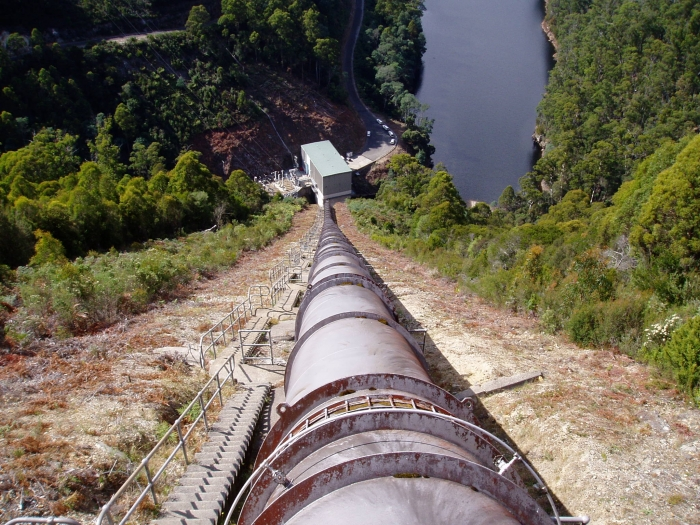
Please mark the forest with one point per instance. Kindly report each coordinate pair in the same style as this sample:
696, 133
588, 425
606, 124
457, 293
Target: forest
625, 80
95, 158
388, 64
602, 242
95, 139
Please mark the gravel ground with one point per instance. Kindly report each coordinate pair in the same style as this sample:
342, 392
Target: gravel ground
609, 437
79, 412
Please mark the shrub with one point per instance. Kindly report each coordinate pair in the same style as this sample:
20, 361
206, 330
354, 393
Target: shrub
582, 326
48, 249
682, 357
68, 297
607, 323
550, 322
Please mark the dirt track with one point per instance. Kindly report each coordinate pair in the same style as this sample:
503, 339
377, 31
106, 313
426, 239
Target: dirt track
605, 438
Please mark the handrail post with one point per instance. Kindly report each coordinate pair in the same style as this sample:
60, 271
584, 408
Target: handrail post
182, 441
233, 368
204, 412
150, 481
218, 384
240, 342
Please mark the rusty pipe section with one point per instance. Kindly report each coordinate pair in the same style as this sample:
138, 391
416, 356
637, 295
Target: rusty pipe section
364, 435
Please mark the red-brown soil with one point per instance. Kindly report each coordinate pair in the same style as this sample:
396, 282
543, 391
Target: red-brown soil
300, 114
609, 436
78, 413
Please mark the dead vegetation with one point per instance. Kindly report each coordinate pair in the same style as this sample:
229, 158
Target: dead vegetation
80, 413
300, 115
611, 438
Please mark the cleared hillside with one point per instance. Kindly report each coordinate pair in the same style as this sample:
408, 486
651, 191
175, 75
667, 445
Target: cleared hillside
610, 437
79, 412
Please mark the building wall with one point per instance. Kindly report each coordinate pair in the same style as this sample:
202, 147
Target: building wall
339, 183
312, 171
326, 187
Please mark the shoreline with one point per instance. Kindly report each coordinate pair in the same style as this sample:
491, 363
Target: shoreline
548, 30
541, 140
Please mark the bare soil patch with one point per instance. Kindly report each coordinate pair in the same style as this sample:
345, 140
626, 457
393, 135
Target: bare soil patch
301, 115
78, 413
610, 438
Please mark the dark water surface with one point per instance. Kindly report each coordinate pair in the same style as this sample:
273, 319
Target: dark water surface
486, 67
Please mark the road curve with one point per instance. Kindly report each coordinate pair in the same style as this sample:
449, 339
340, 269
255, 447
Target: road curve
377, 144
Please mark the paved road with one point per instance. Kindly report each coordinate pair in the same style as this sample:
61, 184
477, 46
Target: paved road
377, 144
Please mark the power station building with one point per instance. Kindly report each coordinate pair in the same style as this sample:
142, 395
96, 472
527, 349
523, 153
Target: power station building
331, 176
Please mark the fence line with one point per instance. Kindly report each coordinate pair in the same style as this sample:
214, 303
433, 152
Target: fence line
199, 406
234, 321
290, 269
258, 341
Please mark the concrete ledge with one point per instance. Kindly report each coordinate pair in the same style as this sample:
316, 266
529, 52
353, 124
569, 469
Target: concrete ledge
502, 383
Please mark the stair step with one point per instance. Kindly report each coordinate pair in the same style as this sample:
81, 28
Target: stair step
205, 486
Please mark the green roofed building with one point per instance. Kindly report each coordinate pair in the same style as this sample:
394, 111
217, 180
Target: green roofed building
332, 178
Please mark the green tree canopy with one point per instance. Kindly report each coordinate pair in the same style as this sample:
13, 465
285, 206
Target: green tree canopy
47, 250
670, 219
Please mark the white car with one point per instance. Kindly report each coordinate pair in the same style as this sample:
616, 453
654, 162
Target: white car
369, 133
391, 133
385, 127
392, 141
379, 121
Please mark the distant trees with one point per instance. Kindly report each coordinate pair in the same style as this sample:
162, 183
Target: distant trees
66, 208
197, 19
625, 80
388, 65
295, 34
623, 275
669, 222
92, 140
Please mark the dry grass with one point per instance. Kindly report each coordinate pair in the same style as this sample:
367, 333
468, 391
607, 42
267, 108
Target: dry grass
79, 413
611, 438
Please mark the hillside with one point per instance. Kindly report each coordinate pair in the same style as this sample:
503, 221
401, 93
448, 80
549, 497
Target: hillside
73, 20
113, 153
80, 411
609, 442
612, 439
301, 114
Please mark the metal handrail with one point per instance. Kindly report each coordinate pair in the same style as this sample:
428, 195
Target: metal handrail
231, 322
286, 443
236, 320
259, 293
255, 344
51, 520
423, 331
276, 271
295, 274
278, 287
279, 275
176, 429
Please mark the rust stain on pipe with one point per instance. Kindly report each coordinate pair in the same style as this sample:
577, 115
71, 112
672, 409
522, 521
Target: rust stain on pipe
364, 435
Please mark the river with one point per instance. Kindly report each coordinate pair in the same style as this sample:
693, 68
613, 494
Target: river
485, 70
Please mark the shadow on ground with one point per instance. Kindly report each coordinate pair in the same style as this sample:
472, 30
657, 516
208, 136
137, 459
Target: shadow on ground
437, 361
